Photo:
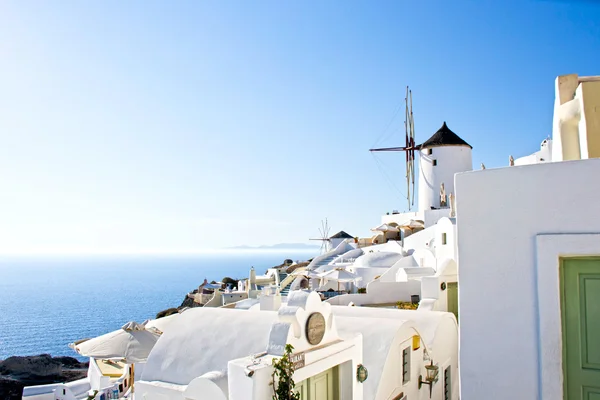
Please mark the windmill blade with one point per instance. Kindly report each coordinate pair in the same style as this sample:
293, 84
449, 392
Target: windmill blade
390, 149
409, 143
409, 149
324, 235
412, 159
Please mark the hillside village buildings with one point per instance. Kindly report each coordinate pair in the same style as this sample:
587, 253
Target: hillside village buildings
506, 259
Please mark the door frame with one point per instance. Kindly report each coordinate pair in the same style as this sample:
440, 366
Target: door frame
550, 248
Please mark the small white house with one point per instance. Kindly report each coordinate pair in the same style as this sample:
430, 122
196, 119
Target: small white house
222, 354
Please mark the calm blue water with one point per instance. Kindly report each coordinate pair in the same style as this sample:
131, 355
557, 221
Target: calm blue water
47, 303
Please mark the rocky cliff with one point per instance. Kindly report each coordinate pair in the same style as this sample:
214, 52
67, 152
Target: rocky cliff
17, 372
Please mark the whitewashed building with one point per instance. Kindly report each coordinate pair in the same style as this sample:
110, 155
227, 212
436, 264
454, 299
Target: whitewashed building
217, 353
529, 264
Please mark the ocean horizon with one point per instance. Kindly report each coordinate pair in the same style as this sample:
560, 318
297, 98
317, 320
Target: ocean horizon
49, 301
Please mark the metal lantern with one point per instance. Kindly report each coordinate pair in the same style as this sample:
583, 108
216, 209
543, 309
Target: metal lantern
432, 372
431, 376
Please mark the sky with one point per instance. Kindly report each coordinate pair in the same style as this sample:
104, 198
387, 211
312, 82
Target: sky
153, 126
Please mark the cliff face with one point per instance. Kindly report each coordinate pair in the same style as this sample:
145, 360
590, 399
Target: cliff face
17, 372
189, 302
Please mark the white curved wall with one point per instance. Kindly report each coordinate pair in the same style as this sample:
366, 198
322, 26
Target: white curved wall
348, 255
450, 160
377, 259
367, 275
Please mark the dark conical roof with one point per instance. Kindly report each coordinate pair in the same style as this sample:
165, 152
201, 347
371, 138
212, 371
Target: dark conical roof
341, 235
444, 137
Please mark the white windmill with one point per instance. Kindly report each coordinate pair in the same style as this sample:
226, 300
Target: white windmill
324, 233
440, 157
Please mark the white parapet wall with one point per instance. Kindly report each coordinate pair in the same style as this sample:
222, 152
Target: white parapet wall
500, 213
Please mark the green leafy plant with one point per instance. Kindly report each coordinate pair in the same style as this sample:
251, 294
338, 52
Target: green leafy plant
362, 290
93, 395
283, 369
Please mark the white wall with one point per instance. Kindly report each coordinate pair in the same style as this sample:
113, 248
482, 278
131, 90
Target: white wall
233, 297
450, 160
431, 217
420, 239
390, 274
367, 275
448, 250
498, 307
380, 293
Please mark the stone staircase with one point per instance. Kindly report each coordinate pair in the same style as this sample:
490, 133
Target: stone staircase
325, 261
284, 291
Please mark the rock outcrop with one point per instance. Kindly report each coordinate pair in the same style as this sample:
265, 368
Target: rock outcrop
17, 372
10, 389
40, 366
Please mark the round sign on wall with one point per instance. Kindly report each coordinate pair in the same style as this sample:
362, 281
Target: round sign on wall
315, 328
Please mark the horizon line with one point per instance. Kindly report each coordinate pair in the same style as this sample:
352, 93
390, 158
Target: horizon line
137, 252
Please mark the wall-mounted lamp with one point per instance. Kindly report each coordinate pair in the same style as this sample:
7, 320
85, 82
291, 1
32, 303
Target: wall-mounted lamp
361, 373
430, 378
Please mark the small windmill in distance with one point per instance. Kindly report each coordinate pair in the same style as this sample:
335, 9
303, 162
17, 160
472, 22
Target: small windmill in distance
324, 232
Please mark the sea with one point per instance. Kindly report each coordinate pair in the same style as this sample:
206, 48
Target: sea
51, 301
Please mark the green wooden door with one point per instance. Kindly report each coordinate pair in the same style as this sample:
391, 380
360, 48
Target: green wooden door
302, 388
452, 293
580, 308
323, 386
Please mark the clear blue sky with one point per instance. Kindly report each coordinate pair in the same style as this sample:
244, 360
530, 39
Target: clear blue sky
171, 126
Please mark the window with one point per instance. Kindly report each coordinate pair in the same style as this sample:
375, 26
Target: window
434, 162
447, 384
444, 238
428, 151
406, 365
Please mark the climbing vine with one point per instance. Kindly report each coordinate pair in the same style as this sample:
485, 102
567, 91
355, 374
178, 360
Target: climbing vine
283, 369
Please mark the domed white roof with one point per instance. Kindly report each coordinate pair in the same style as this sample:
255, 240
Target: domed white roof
378, 259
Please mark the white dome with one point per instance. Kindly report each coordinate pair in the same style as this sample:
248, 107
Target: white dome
379, 259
